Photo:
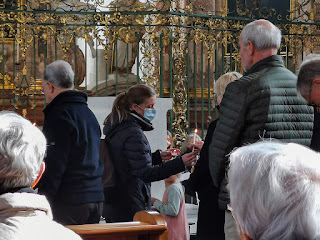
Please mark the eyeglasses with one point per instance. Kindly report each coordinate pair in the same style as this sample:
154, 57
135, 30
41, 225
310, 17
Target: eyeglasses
42, 89
214, 99
216, 95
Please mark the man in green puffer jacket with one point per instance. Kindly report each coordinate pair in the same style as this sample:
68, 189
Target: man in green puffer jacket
264, 103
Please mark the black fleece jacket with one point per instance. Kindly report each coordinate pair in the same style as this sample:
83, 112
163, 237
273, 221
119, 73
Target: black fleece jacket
73, 169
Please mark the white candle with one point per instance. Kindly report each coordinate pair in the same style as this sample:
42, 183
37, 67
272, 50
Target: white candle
194, 138
194, 141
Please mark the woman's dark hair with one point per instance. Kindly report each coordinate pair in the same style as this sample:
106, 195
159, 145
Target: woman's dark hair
136, 94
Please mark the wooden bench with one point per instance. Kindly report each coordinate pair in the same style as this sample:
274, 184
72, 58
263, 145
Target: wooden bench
146, 225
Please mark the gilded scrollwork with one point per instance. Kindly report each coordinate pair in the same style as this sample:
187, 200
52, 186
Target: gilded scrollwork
157, 36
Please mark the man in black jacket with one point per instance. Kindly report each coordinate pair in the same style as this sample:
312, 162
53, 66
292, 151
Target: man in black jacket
72, 181
308, 84
264, 103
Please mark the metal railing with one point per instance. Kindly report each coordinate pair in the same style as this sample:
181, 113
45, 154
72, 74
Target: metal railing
178, 47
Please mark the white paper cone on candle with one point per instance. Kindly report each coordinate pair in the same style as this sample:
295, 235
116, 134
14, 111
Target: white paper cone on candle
194, 138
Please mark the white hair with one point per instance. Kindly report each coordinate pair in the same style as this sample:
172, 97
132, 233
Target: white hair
275, 190
263, 34
60, 74
22, 149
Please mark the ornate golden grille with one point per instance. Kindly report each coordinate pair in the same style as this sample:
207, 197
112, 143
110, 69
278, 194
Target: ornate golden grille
178, 47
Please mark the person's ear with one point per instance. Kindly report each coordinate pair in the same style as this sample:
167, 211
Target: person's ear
42, 168
244, 236
250, 48
134, 107
51, 87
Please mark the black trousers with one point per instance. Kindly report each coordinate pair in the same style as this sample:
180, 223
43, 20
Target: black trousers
71, 214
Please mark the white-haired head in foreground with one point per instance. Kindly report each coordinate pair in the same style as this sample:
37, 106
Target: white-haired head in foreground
22, 149
275, 191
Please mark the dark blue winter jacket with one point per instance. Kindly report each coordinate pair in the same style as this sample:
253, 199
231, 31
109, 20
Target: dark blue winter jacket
132, 159
73, 169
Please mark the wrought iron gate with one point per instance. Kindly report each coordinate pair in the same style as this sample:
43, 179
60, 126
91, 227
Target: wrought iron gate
178, 47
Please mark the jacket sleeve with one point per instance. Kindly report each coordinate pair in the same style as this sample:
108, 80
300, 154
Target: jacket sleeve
156, 158
201, 174
138, 153
58, 132
171, 208
226, 135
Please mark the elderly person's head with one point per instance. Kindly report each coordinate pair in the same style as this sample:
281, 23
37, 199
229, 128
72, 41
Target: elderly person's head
275, 191
58, 77
258, 40
308, 83
222, 82
189, 141
22, 149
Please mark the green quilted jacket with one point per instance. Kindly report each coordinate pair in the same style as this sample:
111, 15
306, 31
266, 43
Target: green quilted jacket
264, 103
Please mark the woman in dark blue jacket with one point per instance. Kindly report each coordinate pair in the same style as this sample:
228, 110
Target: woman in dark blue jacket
131, 155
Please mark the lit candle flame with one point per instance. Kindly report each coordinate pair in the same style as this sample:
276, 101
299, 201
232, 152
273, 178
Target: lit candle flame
194, 138
194, 141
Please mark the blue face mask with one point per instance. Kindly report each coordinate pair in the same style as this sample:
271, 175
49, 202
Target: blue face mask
149, 114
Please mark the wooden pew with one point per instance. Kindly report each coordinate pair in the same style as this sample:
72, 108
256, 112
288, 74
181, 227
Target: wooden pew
146, 225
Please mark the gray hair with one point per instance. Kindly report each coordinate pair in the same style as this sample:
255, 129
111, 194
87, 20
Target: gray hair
60, 74
22, 149
185, 144
275, 190
309, 70
263, 34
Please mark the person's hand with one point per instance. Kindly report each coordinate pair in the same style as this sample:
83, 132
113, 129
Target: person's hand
153, 200
196, 146
190, 159
166, 155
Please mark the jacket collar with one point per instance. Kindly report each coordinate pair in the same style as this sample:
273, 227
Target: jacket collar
22, 202
18, 189
145, 124
272, 61
67, 96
